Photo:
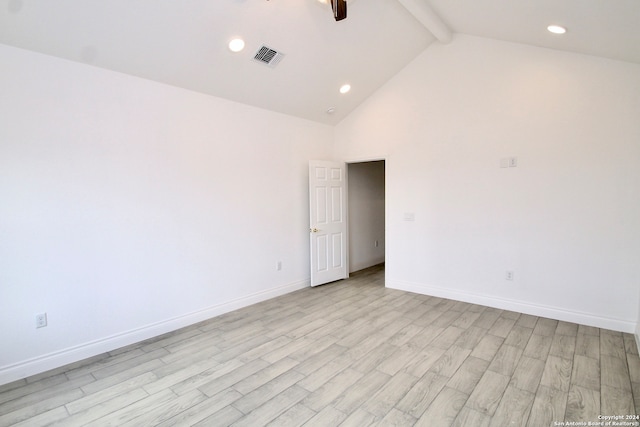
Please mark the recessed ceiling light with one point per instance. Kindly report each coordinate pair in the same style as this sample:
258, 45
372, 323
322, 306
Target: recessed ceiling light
236, 45
345, 88
331, 110
556, 29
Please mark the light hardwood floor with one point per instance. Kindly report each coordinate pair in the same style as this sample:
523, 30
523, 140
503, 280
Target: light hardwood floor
350, 353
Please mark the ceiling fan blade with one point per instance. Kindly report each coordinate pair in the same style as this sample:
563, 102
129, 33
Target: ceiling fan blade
339, 9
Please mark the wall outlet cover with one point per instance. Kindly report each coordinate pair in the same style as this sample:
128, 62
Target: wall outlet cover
41, 320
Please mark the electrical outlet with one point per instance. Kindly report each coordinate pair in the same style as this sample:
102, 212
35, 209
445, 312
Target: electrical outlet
509, 275
279, 265
41, 320
375, 243
509, 162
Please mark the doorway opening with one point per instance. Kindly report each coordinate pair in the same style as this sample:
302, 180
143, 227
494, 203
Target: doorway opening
366, 207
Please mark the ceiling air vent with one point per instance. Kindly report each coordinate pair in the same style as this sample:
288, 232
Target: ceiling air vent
268, 56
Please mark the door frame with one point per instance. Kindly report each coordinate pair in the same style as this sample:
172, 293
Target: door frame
368, 159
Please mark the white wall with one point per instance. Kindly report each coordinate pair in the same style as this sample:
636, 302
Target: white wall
637, 331
366, 214
566, 220
129, 208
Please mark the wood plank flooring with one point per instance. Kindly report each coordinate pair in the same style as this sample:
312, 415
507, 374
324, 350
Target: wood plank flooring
351, 353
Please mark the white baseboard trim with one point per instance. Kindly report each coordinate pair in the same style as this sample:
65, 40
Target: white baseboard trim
556, 313
77, 353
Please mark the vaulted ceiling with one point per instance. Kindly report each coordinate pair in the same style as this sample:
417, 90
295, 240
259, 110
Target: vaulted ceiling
185, 43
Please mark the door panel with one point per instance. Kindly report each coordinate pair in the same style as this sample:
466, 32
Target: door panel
338, 244
322, 258
328, 224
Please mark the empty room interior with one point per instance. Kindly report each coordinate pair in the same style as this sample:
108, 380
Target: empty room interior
162, 254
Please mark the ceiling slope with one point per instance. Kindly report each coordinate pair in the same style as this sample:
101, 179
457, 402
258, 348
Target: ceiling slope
184, 43
606, 28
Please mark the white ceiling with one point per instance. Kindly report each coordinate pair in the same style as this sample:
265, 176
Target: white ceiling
184, 42
607, 28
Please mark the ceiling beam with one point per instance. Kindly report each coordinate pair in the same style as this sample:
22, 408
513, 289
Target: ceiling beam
421, 10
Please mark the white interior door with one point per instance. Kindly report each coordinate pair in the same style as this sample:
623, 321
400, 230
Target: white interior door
328, 221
